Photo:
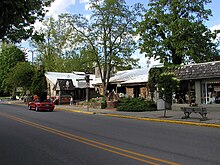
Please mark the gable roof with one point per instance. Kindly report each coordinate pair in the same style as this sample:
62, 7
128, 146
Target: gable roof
78, 78
199, 71
131, 76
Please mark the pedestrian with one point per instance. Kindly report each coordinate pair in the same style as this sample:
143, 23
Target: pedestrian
71, 100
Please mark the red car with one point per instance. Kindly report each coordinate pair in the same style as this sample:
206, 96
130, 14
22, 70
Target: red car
41, 105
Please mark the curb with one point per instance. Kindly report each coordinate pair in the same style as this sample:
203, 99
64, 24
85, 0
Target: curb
149, 119
165, 121
76, 111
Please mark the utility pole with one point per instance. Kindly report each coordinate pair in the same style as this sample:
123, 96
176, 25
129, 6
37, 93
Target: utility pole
87, 79
87, 90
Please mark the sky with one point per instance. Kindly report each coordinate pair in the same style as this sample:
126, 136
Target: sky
81, 6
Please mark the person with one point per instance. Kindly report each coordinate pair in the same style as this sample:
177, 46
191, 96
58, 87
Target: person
71, 100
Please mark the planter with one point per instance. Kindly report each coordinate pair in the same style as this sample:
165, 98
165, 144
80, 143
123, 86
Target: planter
112, 104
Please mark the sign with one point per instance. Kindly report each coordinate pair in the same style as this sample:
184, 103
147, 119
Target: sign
216, 88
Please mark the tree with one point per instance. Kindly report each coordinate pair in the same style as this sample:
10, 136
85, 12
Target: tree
108, 35
153, 77
10, 55
56, 48
164, 81
167, 85
21, 75
17, 18
174, 32
39, 84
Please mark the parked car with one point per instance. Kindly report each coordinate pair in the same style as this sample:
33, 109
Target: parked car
39, 105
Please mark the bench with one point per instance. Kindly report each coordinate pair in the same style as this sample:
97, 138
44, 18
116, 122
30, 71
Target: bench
188, 110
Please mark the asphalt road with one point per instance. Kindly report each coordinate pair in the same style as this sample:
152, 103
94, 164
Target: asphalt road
61, 137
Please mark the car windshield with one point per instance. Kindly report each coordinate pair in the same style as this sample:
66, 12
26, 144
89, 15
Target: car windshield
47, 100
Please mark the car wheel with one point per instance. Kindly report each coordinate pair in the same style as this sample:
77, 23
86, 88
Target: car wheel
51, 110
36, 108
29, 107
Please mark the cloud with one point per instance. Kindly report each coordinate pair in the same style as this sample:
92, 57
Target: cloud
59, 6
38, 25
215, 27
87, 6
83, 1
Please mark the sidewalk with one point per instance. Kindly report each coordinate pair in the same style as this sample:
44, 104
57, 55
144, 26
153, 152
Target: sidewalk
157, 116
171, 116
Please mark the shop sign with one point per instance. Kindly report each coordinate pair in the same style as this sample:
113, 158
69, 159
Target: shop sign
216, 88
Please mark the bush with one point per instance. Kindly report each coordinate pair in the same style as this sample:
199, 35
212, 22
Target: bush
135, 105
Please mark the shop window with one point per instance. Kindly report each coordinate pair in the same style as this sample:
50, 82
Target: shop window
211, 93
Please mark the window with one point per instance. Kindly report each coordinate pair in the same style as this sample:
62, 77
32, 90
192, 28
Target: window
211, 92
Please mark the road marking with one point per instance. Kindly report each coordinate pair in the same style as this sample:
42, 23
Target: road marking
144, 118
123, 152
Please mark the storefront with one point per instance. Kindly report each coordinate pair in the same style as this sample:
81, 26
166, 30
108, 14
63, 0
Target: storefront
200, 85
210, 92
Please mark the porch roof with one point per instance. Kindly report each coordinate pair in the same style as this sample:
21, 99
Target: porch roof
131, 76
199, 71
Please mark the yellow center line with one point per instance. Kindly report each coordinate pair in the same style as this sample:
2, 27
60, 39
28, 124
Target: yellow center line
103, 146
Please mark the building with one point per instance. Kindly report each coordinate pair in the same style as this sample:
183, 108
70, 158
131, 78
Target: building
200, 84
62, 86
130, 83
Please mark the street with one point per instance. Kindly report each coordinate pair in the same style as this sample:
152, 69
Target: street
62, 137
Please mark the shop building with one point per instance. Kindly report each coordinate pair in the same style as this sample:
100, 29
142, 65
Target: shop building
63, 86
200, 84
127, 83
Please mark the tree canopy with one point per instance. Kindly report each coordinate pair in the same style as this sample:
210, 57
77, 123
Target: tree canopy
108, 35
10, 55
105, 41
56, 48
174, 32
20, 75
39, 84
18, 16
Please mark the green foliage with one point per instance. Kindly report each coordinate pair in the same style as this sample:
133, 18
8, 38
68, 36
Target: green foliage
153, 77
20, 75
39, 85
167, 85
18, 16
111, 24
174, 32
10, 55
105, 41
164, 81
135, 105
57, 48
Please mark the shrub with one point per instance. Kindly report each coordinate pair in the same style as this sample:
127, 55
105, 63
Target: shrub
135, 105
